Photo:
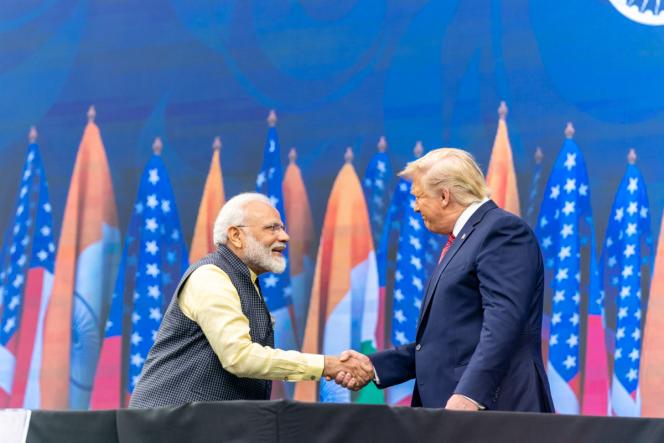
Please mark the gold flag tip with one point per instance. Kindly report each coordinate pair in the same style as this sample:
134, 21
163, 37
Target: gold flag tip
539, 155
631, 156
382, 144
502, 110
157, 146
348, 156
418, 150
92, 114
272, 118
216, 144
569, 130
32, 135
292, 155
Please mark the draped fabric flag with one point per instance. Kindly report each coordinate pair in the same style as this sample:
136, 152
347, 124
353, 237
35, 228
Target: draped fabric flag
534, 187
26, 276
531, 218
418, 249
652, 359
564, 228
213, 199
276, 288
596, 373
85, 270
626, 262
500, 176
301, 231
154, 258
343, 311
376, 182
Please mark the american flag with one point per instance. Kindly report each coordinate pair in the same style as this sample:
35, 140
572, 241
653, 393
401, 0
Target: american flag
534, 187
276, 288
155, 258
416, 258
626, 261
564, 228
376, 185
26, 276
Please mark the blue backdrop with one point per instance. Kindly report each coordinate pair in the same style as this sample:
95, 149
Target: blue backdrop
338, 74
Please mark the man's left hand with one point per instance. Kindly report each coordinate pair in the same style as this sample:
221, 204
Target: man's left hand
460, 403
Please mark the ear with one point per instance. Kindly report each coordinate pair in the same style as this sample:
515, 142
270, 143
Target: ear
235, 237
445, 197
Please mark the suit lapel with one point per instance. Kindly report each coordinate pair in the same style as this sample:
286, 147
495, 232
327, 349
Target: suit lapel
468, 228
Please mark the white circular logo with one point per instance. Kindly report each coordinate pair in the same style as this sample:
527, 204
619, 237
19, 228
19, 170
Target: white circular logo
646, 12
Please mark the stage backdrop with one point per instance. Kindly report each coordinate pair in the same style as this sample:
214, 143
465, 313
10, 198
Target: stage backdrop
338, 74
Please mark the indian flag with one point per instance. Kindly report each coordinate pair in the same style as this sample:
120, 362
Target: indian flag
301, 231
343, 310
213, 199
85, 268
501, 177
652, 358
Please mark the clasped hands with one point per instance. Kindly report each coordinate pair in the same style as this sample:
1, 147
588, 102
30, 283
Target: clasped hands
354, 370
351, 370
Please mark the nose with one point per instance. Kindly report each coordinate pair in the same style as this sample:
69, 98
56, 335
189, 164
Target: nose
283, 236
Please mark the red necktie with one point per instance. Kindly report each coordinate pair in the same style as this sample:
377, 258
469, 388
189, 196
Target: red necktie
448, 245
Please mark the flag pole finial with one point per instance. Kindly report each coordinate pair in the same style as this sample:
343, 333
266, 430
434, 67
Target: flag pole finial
382, 144
539, 155
569, 130
502, 110
32, 135
348, 156
631, 156
92, 113
272, 118
216, 144
292, 155
418, 150
157, 146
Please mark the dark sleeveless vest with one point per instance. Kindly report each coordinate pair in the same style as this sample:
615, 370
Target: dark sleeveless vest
182, 367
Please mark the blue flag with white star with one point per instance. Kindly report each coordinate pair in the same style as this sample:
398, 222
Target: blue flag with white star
26, 276
154, 258
376, 184
626, 261
417, 253
276, 288
565, 231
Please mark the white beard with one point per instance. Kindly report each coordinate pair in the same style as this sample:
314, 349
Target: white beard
260, 256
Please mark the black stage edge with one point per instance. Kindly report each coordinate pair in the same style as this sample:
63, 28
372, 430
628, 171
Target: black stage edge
287, 421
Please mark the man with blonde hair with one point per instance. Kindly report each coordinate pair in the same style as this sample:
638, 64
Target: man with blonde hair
216, 340
478, 340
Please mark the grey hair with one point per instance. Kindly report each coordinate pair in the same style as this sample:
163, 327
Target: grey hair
233, 214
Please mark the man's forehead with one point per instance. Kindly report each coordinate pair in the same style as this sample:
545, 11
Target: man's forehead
261, 212
416, 187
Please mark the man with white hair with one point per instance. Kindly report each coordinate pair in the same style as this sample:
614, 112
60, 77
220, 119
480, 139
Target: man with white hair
478, 340
216, 340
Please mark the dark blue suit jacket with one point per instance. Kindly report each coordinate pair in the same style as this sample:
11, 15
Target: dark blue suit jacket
480, 321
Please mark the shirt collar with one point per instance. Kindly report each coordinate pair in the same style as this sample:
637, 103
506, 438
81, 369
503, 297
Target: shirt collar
253, 276
466, 214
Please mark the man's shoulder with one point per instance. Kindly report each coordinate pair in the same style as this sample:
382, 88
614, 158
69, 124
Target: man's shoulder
207, 271
500, 220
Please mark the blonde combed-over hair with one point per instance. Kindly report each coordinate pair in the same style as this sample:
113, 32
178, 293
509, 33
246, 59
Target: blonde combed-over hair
452, 169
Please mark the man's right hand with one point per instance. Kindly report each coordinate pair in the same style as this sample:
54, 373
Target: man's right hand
353, 371
346, 379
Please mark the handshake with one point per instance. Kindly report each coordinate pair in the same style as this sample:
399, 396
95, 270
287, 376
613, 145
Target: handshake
351, 370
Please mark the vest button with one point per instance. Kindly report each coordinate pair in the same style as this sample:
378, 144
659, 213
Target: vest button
418, 347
